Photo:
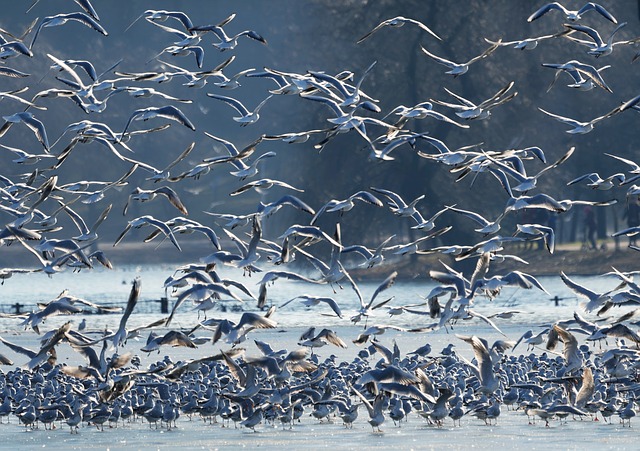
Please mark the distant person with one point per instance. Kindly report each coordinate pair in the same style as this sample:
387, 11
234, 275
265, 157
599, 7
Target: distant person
633, 216
590, 226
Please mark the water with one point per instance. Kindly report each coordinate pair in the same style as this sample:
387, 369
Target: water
112, 288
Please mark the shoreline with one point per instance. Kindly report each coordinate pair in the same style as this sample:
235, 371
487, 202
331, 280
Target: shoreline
567, 257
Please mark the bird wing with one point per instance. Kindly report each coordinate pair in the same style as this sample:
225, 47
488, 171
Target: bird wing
387, 283
170, 194
131, 303
546, 8
19, 349
236, 104
578, 289
563, 119
593, 34
486, 53
384, 23
423, 27
438, 59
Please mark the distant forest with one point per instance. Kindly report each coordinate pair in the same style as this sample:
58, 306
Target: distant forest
321, 36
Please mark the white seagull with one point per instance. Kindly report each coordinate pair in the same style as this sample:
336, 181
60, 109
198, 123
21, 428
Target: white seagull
574, 15
398, 22
597, 46
456, 69
311, 301
61, 19
30, 121
247, 117
167, 112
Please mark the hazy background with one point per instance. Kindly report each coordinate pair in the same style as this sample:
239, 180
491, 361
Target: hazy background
321, 35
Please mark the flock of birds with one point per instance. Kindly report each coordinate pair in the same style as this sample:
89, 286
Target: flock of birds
281, 385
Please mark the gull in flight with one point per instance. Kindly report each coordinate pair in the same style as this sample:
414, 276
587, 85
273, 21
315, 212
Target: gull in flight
144, 195
13, 49
263, 184
596, 182
182, 49
247, 117
572, 15
200, 292
161, 15
586, 127
366, 309
167, 112
446, 155
634, 167
12, 95
12, 73
148, 220
483, 369
547, 233
585, 77
30, 121
350, 99
570, 352
392, 144
542, 200
86, 233
456, 69
311, 233
493, 285
413, 246
61, 19
469, 110
197, 79
595, 300
525, 182
236, 158
420, 111
310, 301
248, 253
398, 22
346, 204
137, 91
50, 267
528, 43
229, 42
84, 4
270, 208
486, 226
398, 205
323, 338
183, 225
26, 157
164, 174
372, 258
237, 333
376, 410
173, 338
597, 46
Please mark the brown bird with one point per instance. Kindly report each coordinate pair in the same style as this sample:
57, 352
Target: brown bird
144, 195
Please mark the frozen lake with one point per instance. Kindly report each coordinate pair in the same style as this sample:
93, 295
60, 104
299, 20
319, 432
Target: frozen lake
112, 288
513, 428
